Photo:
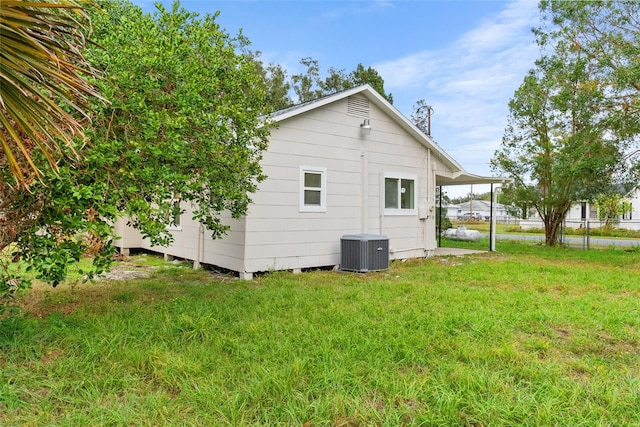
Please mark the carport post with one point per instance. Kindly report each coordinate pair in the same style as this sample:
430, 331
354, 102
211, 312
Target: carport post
440, 220
492, 223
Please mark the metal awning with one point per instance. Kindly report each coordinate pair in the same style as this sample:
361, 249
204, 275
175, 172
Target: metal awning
466, 178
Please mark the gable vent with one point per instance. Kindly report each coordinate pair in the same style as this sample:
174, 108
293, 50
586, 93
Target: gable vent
358, 106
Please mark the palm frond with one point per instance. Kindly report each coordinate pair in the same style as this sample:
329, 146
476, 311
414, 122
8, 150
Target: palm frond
44, 88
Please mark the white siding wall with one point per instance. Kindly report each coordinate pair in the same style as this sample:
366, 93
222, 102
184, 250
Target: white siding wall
129, 237
634, 199
227, 252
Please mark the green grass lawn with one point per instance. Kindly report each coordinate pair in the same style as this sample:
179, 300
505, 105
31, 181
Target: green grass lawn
526, 336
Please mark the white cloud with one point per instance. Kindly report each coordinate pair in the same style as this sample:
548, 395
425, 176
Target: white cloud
469, 82
490, 50
502, 30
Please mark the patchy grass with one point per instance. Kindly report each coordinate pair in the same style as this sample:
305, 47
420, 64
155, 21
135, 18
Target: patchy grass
528, 336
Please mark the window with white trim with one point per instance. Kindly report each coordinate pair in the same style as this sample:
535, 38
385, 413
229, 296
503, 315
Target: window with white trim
174, 215
313, 189
400, 194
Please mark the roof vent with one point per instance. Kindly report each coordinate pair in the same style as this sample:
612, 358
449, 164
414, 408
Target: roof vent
358, 106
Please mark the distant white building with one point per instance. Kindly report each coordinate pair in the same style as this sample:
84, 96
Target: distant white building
581, 212
477, 209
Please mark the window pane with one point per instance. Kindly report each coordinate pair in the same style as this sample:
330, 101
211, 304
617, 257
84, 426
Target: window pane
312, 197
312, 179
406, 194
391, 193
175, 213
176, 220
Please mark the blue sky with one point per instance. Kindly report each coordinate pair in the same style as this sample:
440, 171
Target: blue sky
463, 57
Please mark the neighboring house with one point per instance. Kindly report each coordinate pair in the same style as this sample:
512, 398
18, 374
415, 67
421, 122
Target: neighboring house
580, 212
452, 211
634, 199
477, 209
583, 211
345, 164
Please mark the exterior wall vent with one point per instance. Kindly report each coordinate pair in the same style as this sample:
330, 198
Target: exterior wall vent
358, 106
364, 252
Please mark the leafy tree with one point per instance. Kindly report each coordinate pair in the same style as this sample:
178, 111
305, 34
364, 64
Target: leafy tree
442, 220
308, 85
276, 80
52, 225
370, 76
42, 83
305, 84
440, 192
339, 80
421, 116
560, 144
553, 148
277, 88
335, 82
442, 199
184, 121
513, 205
608, 34
48, 220
611, 207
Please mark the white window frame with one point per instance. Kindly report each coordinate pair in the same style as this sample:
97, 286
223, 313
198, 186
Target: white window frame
172, 226
400, 177
322, 207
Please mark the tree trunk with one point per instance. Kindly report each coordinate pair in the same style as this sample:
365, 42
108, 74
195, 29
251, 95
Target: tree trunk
551, 230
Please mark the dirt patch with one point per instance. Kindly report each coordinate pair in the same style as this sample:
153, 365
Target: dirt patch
51, 356
126, 271
42, 299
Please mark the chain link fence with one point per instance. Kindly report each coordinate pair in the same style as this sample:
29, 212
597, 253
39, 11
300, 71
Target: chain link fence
593, 233
588, 233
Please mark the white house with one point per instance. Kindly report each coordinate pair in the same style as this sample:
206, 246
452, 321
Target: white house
345, 164
453, 211
581, 212
479, 208
633, 197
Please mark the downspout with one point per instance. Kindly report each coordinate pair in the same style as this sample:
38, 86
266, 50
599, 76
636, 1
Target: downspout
381, 204
364, 192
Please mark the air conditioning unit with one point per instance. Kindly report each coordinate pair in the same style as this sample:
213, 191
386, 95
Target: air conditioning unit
364, 252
